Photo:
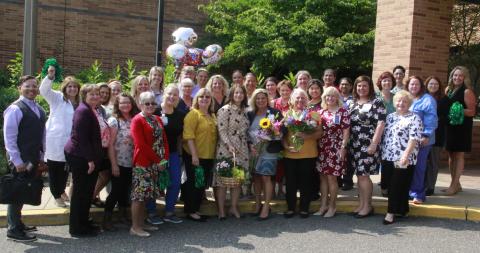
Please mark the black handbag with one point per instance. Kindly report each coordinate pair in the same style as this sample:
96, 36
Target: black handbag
274, 146
20, 189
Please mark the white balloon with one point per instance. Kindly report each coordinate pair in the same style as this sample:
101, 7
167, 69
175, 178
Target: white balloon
177, 51
212, 54
184, 36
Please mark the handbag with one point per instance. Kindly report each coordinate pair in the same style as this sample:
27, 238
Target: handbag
274, 146
20, 189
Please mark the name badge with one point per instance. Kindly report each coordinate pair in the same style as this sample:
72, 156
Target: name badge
336, 119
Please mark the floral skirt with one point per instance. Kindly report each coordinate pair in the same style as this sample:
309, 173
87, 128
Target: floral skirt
145, 183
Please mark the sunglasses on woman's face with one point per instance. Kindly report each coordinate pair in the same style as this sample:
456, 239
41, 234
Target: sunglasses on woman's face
204, 96
150, 104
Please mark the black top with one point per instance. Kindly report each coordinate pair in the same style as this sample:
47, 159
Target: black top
183, 107
30, 133
459, 137
217, 106
173, 128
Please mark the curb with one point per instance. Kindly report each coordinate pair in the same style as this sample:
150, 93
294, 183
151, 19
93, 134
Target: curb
60, 216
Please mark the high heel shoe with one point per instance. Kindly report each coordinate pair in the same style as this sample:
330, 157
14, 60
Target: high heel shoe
139, 233
236, 215
257, 212
320, 212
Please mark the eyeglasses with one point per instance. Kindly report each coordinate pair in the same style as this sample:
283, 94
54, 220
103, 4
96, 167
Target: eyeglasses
150, 104
204, 96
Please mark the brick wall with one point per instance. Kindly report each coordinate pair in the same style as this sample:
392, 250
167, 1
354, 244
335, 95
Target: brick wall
77, 32
415, 34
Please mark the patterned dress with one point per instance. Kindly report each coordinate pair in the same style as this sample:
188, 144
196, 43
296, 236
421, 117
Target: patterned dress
333, 124
232, 123
145, 179
363, 122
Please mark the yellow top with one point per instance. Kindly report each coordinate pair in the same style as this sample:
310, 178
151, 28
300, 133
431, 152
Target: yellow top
308, 150
203, 130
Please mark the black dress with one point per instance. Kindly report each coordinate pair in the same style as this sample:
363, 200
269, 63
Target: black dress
459, 137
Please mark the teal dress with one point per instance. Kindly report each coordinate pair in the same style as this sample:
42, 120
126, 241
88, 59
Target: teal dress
388, 104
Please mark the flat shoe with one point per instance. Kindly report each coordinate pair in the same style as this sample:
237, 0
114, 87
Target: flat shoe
288, 215
139, 234
320, 213
188, 217
360, 216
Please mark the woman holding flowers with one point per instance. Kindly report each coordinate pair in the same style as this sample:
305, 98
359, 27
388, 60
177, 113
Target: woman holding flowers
300, 152
367, 121
333, 149
232, 148
264, 138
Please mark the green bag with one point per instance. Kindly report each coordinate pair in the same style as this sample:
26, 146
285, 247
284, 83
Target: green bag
199, 177
163, 179
455, 114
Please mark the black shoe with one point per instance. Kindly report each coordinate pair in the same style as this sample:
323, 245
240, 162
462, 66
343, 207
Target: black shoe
288, 214
304, 215
84, 234
20, 236
360, 216
429, 192
347, 187
29, 228
223, 218
97, 202
315, 197
386, 222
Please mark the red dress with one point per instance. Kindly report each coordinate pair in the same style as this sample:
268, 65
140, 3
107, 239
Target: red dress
330, 144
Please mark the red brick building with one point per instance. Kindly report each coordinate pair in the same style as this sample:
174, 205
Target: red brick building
78, 32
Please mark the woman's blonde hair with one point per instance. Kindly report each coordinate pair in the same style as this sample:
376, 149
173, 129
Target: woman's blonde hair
331, 91
135, 83
403, 94
221, 78
159, 70
466, 77
171, 87
253, 98
203, 92
70, 80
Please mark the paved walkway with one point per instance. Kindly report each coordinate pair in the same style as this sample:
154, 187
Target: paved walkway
438, 205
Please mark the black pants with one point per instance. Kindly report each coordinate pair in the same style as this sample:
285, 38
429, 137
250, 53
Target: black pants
121, 187
299, 174
399, 186
83, 187
193, 196
386, 174
57, 176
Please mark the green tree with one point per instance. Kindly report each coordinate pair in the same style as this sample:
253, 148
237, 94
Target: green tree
279, 36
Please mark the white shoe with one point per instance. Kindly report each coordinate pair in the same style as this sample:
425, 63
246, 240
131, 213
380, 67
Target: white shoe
60, 203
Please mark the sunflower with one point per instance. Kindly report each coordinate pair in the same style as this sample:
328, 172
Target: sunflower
265, 123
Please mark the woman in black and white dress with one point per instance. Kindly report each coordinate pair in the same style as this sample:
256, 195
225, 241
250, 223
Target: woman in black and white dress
403, 132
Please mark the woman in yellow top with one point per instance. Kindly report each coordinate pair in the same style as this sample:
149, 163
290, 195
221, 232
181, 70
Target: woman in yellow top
200, 139
300, 162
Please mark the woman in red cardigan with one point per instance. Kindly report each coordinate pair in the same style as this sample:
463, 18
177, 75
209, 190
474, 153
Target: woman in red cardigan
150, 156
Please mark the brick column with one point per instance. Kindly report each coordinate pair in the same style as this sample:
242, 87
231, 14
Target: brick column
415, 34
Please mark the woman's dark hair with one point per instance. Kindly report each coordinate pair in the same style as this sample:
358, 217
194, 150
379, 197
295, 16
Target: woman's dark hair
271, 79
384, 75
116, 110
346, 79
231, 92
316, 82
439, 94
371, 90
105, 85
423, 89
399, 67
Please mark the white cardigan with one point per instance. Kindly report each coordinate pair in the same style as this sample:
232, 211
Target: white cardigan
59, 123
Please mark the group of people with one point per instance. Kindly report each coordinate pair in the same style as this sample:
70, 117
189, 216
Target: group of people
209, 130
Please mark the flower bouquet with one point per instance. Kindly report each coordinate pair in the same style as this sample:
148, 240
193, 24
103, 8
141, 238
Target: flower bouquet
305, 122
228, 173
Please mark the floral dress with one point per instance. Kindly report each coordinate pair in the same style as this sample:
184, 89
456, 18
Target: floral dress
145, 179
232, 123
399, 129
333, 124
363, 122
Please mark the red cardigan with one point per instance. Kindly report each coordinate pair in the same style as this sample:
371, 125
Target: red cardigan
142, 134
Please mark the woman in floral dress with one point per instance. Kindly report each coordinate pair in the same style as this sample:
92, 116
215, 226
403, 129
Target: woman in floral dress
149, 158
232, 124
332, 149
367, 121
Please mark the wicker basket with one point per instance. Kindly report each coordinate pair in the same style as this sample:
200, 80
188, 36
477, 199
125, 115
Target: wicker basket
229, 182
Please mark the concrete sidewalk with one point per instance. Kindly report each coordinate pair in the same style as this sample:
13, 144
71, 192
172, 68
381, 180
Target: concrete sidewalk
465, 205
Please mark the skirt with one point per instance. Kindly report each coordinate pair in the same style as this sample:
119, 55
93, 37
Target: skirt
266, 166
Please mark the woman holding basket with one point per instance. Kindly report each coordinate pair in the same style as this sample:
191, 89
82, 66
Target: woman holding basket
232, 150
